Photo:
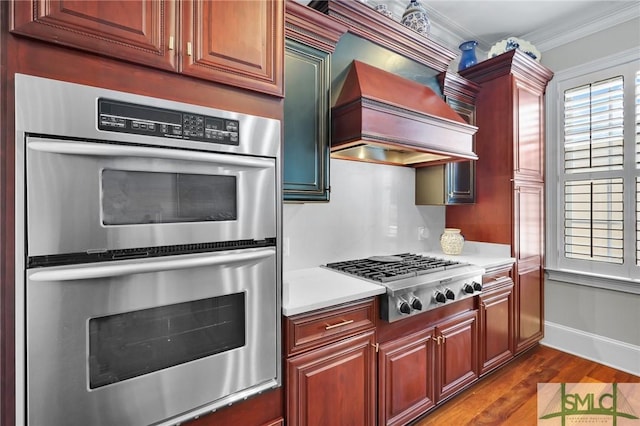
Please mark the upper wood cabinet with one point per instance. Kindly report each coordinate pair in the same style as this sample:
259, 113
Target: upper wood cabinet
311, 37
451, 183
238, 43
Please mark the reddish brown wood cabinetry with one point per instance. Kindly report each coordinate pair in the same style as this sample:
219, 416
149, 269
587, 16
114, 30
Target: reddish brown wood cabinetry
330, 368
457, 354
496, 320
510, 178
236, 43
418, 370
406, 378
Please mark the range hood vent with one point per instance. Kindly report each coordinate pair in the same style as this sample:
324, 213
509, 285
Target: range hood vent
380, 117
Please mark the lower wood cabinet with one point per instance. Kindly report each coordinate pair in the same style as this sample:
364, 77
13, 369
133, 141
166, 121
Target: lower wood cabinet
496, 322
457, 354
330, 370
406, 377
418, 370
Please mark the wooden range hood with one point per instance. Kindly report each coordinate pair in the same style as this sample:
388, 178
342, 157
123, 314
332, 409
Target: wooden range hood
380, 117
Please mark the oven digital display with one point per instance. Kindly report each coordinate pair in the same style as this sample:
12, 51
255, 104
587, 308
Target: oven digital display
125, 117
132, 344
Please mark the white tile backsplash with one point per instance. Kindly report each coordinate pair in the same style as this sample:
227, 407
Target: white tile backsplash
372, 212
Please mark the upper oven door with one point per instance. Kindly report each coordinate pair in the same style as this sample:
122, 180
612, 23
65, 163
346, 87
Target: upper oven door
91, 197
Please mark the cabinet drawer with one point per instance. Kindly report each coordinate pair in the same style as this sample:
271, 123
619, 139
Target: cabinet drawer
317, 328
497, 278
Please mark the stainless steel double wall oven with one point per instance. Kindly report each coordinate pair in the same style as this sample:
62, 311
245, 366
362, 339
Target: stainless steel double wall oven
148, 236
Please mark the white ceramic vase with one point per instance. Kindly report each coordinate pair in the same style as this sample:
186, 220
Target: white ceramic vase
451, 241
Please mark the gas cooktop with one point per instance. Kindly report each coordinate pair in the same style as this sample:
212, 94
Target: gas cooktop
396, 267
415, 283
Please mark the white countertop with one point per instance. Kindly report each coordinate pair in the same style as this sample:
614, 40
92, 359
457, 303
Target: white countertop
305, 290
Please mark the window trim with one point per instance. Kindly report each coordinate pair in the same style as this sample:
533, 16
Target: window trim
604, 279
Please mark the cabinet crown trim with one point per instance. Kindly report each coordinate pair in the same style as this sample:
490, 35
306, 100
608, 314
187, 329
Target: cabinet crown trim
514, 62
311, 27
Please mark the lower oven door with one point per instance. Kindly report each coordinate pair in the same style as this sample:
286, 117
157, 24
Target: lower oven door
160, 340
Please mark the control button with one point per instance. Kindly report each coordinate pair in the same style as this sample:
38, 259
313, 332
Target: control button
450, 294
477, 286
404, 308
468, 288
416, 304
439, 297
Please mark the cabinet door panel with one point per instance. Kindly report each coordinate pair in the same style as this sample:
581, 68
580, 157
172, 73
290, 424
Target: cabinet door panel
529, 144
461, 175
306, 124
457, 354
137, 31
240, 43
333, 385
528, 223
529, 308
496, 322
405, 375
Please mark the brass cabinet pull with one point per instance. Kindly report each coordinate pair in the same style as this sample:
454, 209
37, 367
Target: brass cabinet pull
172, 42
329, 327
189, 49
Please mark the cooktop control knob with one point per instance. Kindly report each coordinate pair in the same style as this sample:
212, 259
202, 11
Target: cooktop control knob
440, 297
416, 304
477, 286
403, 307
468, 288
450, 294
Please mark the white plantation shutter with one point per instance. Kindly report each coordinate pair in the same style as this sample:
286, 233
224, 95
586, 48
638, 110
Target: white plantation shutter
593, 174
593, 127
594, 142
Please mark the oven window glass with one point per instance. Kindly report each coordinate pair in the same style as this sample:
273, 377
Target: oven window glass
131, 344
133, 197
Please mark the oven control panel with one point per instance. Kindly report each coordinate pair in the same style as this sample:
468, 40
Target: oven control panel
125, 117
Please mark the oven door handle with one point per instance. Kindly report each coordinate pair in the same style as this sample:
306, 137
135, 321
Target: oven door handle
115, 150
158, 264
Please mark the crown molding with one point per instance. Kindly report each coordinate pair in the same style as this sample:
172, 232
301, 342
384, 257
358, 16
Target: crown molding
554, 35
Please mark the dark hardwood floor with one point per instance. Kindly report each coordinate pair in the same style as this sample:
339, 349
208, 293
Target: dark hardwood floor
509, 395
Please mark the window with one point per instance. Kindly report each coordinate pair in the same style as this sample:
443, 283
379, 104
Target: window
593, 152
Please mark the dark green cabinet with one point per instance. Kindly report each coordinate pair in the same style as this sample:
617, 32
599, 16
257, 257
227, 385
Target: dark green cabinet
451, 183
306, 123
310, 39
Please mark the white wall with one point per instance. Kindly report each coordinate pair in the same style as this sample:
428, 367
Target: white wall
372, 212
598, 324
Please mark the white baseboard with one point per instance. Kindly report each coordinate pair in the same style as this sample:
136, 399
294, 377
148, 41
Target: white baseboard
613, 353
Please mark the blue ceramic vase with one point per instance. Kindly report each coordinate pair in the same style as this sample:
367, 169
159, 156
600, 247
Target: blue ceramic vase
468, 58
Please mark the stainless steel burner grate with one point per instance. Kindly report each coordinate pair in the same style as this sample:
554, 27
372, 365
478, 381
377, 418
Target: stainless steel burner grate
392, 268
